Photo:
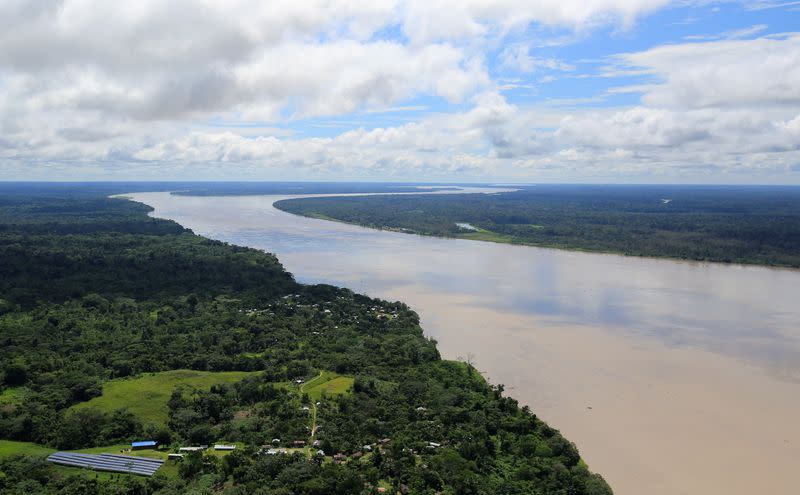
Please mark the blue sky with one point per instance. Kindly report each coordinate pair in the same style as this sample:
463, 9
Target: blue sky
553, 91
587, 54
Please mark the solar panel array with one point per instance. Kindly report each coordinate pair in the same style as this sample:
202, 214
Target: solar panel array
108, 462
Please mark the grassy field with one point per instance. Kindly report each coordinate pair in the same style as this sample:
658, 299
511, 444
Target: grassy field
146, 396
486, 236
327, 383
10, 448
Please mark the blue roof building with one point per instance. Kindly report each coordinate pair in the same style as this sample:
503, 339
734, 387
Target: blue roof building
146, 444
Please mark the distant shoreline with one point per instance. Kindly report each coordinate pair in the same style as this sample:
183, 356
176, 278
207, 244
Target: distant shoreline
489, 236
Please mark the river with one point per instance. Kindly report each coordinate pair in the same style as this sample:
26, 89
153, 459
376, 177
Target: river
671, 377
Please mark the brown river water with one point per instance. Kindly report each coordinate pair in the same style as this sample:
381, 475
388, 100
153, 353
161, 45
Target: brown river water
671, 377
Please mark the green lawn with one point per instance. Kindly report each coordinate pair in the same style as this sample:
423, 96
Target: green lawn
146, 396
10, 448
327, 383
486, 236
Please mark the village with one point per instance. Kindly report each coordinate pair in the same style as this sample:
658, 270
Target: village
146, 457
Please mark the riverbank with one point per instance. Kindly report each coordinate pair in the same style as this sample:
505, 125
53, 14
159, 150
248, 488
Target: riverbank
675, 359
735, 225
222, 345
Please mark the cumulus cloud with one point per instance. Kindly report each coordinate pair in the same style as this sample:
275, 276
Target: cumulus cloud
735, 73
93, 84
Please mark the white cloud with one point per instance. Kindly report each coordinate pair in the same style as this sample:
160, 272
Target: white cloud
427, 20
730, 35
517, 57
740, 73
89, 83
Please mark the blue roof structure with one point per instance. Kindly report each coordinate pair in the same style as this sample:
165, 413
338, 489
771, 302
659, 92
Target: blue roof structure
108, 462
145, 443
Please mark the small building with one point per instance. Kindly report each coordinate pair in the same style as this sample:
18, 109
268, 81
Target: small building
299, 443
192, 449
143, 445
357, 455
175, 457
339, 458
320, 453
276, 451
367, 448
316, 443
433, 445
276, 441
222, 446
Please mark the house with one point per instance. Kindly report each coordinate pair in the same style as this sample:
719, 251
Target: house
316, 443
276, 441
143, 445
222, 446
320, 453
191, 449
175, 457
367, 448
357, 455
299, 443
433, 445
339, 458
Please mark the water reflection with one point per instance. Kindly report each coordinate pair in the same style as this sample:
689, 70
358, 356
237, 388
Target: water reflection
748, 312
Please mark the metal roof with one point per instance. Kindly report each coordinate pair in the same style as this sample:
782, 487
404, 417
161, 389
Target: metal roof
145, 443
108, 462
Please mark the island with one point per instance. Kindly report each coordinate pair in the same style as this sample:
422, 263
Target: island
732, 224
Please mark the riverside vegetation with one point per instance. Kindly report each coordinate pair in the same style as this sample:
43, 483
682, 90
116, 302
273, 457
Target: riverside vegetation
118, 327
738, 224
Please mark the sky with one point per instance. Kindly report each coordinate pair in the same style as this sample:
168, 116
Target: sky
586, 91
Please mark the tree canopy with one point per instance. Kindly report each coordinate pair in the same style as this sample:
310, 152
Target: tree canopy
94, 292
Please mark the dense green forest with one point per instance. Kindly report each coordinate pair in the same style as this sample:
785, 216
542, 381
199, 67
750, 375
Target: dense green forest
757, 225
98, 302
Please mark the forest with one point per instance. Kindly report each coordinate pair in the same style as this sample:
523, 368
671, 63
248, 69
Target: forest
117, 327
732, 224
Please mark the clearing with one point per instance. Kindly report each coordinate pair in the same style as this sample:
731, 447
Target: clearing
146, 396
327, 383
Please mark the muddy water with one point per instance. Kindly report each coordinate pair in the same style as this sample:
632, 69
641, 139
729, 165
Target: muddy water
671, 377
